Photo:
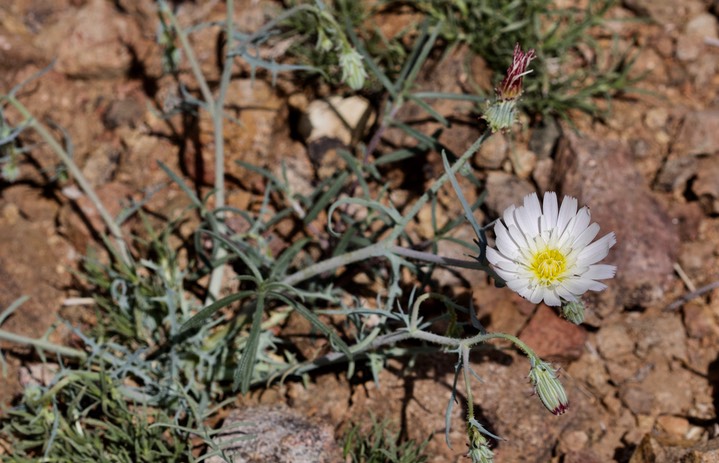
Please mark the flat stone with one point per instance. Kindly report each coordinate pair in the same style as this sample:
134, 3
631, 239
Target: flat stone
601, 174
336, 118
94, 42
492, 153
702, 25
664, 11
523, 161
651, 450
699, 320
637, 400
674, 427
699, 134
706, 185
504, 190
544, 139
614, 341
552, 337
276, 434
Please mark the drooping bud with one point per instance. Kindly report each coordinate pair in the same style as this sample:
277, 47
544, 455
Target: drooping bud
574, 311
547, 386
353, 72
479, 451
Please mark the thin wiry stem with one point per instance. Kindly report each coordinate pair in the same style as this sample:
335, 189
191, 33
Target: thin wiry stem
77, 175
43, 345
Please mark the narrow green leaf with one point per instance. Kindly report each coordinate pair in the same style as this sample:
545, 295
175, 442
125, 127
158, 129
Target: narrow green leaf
325, 199
390, 212
431, 111
468, 213
243, 374
181, 183
12, 308
200, 317
281, 264
311, 317
394, 156
450, 405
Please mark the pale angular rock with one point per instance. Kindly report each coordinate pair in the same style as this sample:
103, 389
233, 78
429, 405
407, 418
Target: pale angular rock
637, 400
651, 450
544, 139
665, 11
699, 134
523, 162
505, 189
335, 118
706, 186
542, 174
277, 434
614, 341
492, 153
702, 25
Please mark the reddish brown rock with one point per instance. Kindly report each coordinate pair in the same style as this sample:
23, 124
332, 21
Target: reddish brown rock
95, 42
699, 320
552, 337
601, 174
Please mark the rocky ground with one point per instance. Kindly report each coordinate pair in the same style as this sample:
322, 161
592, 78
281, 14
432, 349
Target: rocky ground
642, 374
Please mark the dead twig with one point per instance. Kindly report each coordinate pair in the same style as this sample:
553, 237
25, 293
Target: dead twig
691, 295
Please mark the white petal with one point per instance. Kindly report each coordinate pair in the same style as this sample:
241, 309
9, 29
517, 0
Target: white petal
504, 242
596, 251
579, 286
564, 293
600, 272
507, 276
566, 213
581, 222
518, 284
550, 210
508, 216
536, 295
550, 298
586, 237
493, 256
528, 216
500, 261
520, 240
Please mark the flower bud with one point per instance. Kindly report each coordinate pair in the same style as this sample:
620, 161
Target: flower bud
353, 72
479, 451
324, 42
574, 311
511, 86
547, 386
501, 114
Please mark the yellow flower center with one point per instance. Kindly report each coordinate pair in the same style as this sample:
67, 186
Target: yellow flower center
548, 265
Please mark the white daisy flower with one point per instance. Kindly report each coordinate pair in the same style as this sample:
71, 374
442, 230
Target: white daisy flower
543, 251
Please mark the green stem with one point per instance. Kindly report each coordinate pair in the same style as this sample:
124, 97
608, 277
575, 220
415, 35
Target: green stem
374, 250
467, 384
218, 118
435, 259
480, 338
191, 58
77, 175
43, 345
